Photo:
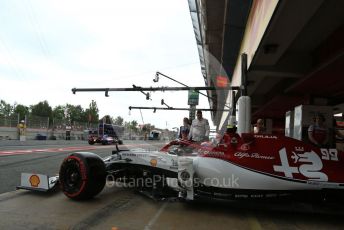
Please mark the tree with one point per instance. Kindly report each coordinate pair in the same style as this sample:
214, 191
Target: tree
22, 110
118, 120
92, 112
42, 109
75, 113
146, 128
59, 113
5, 109
133, 125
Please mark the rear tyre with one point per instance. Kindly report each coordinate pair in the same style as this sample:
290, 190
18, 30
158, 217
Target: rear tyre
82, 175
90, 142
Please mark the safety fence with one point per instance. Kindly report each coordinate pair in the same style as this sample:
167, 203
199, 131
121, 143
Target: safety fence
10, 121
35, 122
43, 127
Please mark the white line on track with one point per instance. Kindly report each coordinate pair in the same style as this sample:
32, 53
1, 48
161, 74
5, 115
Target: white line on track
80, 148
155, 217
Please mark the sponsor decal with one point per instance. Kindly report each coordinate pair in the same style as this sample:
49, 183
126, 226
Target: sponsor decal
314, 182
299, 149
210, 153
252, 155
153, 162
174, 164
310, 167
245, 147
265, 136
134, 155
241, 196
34, 181
234, 141
257, 195
270, 195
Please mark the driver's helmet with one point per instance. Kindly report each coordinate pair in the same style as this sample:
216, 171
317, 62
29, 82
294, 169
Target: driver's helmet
231, 129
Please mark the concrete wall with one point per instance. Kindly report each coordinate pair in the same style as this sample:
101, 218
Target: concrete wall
10, 133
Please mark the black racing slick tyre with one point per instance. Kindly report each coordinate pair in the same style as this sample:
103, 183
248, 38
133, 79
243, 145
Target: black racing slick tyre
82, 175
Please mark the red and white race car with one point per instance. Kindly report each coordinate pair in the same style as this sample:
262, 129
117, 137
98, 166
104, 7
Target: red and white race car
246, 166
239, 166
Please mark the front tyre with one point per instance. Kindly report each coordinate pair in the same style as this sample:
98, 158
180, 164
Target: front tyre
82, 175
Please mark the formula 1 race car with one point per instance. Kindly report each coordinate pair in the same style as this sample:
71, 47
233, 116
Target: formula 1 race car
104, 140
239, 166
246, 166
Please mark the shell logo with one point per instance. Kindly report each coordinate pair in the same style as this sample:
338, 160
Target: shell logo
153, 162
34, 181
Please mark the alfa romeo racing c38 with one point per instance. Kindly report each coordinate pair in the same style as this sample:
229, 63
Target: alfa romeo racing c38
243, 165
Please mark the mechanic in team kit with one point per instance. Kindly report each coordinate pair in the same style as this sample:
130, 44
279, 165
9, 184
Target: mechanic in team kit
200, 129
318, 133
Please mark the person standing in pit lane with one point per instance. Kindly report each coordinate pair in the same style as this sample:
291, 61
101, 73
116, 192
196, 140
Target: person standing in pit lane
259, 127
185, 129
199, 128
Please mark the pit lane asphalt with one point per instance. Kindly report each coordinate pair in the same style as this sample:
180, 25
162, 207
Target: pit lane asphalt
122, 208
48, 162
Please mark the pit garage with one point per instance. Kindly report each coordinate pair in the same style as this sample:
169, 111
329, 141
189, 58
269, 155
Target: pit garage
295, 56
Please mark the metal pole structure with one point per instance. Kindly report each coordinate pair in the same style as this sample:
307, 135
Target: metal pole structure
146, 94
192, 112
172, 108
233, 104
137, 88
163, 103
157, 79
103, 126
48, 128
18, 125
244, 74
